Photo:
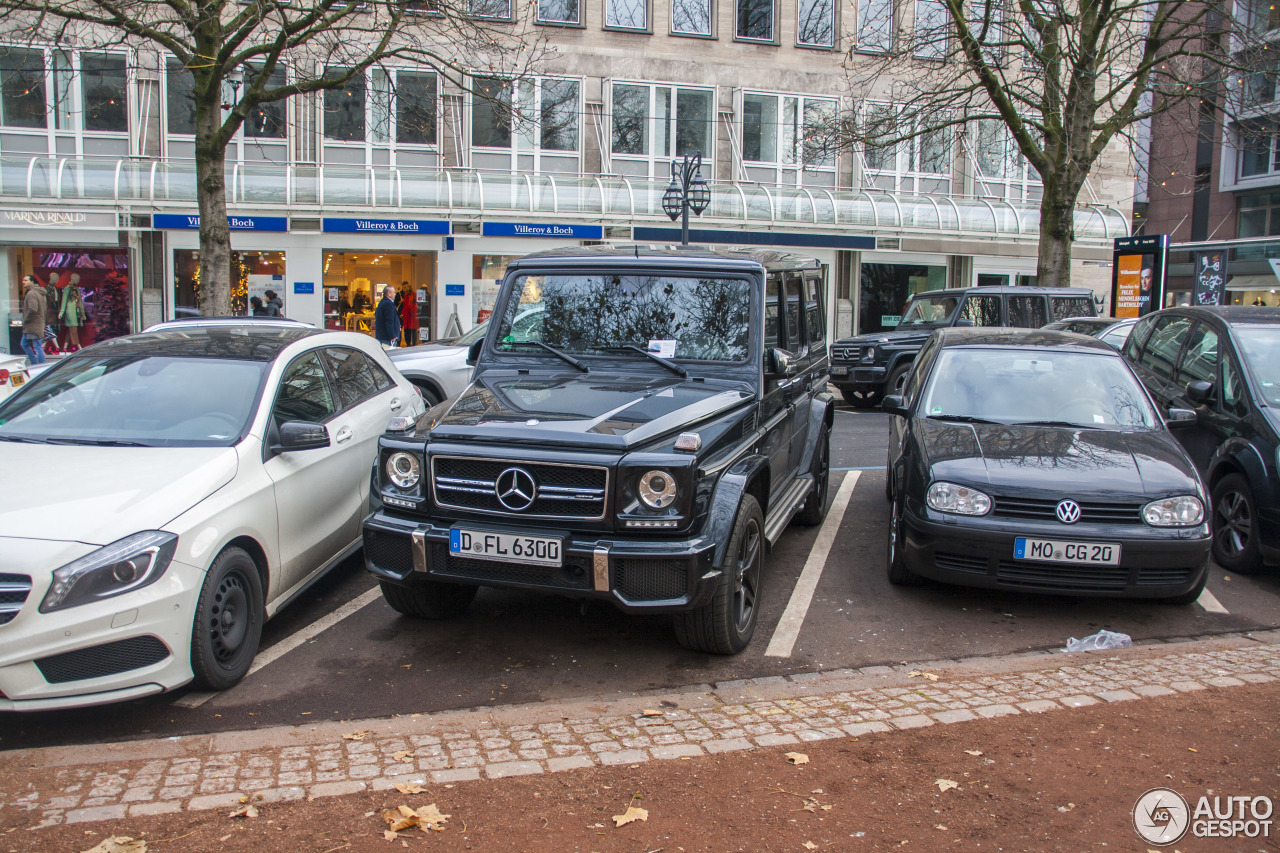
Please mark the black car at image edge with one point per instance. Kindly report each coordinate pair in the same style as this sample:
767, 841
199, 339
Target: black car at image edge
1035, 461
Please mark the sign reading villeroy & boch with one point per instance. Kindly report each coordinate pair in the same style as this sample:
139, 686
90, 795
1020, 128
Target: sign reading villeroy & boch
191, 222
532, 229
385, 226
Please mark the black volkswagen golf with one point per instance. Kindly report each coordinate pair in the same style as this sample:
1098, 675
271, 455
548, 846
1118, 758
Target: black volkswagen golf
1036, 461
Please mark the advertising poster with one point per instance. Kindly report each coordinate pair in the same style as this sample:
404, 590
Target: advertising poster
1137, 278
1211, 278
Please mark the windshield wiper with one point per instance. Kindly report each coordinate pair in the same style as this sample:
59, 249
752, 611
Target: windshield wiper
23, 439
99, 442
967, 419
568, 359
1052, 423
669, 365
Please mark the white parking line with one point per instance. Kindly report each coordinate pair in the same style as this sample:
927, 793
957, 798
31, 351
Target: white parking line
788, 630
289, 643
1210, 603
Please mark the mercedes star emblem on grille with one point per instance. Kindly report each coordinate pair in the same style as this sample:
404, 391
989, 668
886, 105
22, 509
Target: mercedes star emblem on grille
516, 489
1068, 512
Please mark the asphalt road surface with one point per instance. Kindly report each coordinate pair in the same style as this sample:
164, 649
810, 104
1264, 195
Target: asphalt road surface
516, 647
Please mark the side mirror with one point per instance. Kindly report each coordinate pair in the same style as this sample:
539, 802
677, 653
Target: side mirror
780, 364
1200, 392
895, 404
964, 321
473, 351
300, 435
1180, 417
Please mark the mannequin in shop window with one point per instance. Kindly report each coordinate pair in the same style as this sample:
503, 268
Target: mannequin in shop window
73, 313
54, 296
409, 314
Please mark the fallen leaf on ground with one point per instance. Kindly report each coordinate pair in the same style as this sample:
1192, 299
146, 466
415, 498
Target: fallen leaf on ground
946, 784
650, 712
388, 835
797, 758
632, 813
973, 751
410, 788
403, 755
360, 735
429, 817
426, 818
809, 845
915, 673
245, 811
119, 844
939, 826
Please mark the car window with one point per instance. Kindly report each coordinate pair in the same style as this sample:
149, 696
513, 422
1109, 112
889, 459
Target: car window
1117, 335
1201, 359
352, 374
304, 392
813, 314
1071, 306
1161, 353
1234, 401
982, 310
795, 340
1138, 339
929, 310
1027, 312
1259, 346
773, 285
917, 370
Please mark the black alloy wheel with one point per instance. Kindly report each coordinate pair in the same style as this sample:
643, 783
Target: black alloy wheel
725, 625
747, 572
228, 621
899, 574
815, 506
1235, 518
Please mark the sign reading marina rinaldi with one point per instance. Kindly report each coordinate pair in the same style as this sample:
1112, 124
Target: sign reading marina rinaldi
59, 218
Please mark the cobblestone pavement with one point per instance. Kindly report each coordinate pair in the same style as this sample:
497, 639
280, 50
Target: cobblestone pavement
76, 784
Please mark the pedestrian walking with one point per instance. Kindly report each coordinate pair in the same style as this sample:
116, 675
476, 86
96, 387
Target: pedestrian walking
409, 315
256, 308
274, 304
35, 311
386, 321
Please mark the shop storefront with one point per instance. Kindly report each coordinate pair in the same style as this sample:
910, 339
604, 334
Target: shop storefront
355, 279
86, 269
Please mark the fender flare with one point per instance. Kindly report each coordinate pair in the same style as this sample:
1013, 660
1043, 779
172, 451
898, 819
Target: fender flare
1238, 453
822, 412
726, 499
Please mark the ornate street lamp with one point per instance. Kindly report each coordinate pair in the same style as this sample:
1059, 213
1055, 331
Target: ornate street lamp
687, 191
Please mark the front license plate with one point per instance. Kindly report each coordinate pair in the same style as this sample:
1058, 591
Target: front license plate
1057, 551
839, 370
505, 547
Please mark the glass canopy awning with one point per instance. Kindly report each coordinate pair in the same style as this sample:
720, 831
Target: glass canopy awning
308, 190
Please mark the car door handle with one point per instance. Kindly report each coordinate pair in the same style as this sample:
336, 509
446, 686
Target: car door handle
344, 435
395, 404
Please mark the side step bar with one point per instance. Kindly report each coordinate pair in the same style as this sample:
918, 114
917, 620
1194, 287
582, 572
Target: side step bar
786, 506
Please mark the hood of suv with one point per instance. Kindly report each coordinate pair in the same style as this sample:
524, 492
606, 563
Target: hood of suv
914, 336
596, 410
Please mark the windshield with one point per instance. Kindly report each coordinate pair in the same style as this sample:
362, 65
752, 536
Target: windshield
1261, 345
1013, 386
929, 310
157, 401
476, 333
674, 317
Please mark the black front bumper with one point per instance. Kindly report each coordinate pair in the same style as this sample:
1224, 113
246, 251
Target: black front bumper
856, 375
980, 553
641, 575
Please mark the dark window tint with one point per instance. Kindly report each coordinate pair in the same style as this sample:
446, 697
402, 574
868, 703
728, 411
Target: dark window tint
1234, 401
180, 106
1071, 306
416, 108
304, 393
105, 90
1027, 312
353, 380
491, 113
269, 120
982, 310
1161, 353
1201, 360
344, 110
813, 309
771, 326
795, 340
22, 102
755, 19
916, 378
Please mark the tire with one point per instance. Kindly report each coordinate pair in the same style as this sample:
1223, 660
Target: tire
1235, 526
429, 599
815, 506
897, 378
899, 574
860, 397
1190, 596
725, 624
428, 394
228, 621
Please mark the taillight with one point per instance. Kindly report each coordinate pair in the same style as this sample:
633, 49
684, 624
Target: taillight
4, 377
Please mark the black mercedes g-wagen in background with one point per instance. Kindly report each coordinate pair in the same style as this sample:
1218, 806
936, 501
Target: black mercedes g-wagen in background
641, 423
867, 367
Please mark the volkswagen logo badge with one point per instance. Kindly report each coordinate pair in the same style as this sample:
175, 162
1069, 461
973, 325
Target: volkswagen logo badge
515, 489
1068, 512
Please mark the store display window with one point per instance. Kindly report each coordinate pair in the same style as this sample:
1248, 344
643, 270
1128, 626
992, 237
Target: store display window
487, 272
87, 290
354, 282
255, 273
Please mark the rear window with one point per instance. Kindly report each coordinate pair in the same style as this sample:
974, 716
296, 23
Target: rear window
1027, 312
1071, 306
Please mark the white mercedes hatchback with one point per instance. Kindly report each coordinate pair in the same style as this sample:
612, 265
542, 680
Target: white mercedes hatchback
170, 491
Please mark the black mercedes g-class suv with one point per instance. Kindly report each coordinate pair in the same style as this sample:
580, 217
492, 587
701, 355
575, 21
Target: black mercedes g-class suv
641, 424
867, 367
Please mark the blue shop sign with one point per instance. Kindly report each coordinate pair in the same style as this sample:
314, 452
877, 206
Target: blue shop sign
304, 287
191, 222
455, 290
532, 229
386, 226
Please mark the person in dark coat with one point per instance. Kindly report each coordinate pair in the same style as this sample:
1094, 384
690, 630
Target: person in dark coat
386, 320
274, 304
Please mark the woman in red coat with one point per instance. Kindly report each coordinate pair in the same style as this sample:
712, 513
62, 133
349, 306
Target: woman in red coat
409, 315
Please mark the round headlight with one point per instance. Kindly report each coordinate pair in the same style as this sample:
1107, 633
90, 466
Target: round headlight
1182, 511
962, 500
403, 469
657, 489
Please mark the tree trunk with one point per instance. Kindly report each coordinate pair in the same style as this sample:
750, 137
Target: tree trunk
1057, 232
211, 194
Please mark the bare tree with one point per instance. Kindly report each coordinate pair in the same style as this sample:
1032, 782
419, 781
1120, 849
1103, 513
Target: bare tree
1061, 80
236, 53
